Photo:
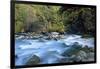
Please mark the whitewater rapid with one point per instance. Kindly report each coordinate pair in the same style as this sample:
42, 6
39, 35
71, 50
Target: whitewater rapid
49, 51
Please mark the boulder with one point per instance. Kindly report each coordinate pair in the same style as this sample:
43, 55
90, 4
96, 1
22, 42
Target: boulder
74, 49
45, 33
75, 58
81, 56
88, 49
91, 49
90, 56
85, 48
54, 34
33, 60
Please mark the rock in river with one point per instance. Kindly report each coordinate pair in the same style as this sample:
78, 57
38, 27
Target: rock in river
74, 49
33, 60
81, 56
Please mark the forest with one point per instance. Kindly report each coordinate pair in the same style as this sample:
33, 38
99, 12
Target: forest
30, 18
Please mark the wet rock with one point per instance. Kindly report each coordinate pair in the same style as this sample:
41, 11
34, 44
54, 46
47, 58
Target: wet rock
91, 49
76, 45
37, 36
74, 49
45, 33
54, 35
20, 37
88, 49
33, 60
48, 38
78, 57
85, 48
82, 55
90, 56
75, 58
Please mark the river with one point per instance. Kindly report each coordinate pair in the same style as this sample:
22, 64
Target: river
48, 50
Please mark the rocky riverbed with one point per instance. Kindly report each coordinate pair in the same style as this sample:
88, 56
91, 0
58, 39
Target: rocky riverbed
53, 49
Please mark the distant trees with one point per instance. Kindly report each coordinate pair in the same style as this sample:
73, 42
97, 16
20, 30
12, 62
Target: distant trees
45, 18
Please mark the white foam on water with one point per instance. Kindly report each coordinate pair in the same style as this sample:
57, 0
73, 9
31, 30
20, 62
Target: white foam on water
48, 51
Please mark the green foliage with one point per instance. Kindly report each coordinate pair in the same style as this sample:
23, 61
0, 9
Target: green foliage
44, 18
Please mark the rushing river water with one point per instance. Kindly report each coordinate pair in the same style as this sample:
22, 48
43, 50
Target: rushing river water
48, 50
